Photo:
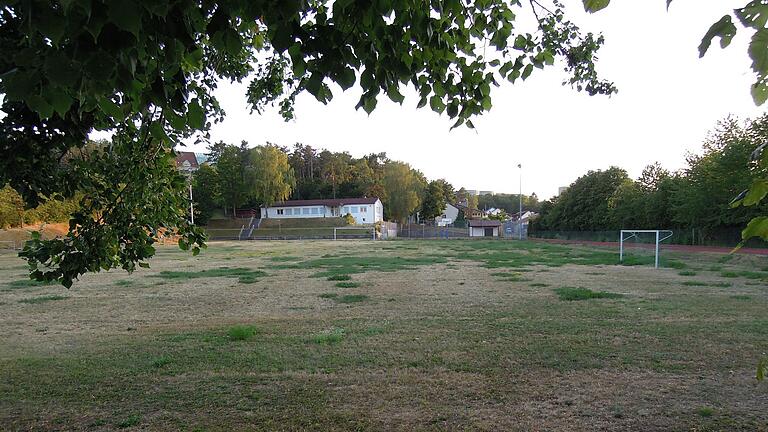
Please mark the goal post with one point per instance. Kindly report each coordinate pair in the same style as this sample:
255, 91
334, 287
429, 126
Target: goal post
350, 228
660, 235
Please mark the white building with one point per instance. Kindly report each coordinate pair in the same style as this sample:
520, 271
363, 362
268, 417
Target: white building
484, 228
364, 210
449, 215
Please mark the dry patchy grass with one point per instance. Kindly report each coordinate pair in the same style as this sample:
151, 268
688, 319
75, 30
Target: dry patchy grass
438, 335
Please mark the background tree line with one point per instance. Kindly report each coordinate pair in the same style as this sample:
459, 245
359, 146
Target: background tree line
237, 177
698, 196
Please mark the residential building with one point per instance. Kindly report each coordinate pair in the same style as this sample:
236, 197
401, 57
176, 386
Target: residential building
363, 210
449, 215
187, 162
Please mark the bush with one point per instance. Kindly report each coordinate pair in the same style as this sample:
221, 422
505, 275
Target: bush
11, 208
52, 210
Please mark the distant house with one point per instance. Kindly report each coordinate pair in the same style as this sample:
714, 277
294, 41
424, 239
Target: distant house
493, 211
449, 215
470, 213
484, 228
364, 210
187, 162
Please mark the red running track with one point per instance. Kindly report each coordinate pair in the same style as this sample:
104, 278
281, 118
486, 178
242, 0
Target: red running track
674, 247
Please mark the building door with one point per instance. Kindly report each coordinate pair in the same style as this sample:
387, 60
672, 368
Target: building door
489, 232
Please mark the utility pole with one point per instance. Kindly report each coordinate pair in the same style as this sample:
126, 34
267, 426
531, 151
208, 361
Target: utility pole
191, 205
520, 214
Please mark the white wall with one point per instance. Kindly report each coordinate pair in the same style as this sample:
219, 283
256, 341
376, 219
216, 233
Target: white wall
364, 214
480, 231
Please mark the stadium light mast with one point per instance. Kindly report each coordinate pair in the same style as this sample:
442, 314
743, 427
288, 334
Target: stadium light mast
520, 197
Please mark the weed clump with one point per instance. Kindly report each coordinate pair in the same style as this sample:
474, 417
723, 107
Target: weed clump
339, 277
348, 284
573, 294
241, 332
329, 337
43, 299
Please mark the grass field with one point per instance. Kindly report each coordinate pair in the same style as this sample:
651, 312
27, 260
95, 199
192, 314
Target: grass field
403, 335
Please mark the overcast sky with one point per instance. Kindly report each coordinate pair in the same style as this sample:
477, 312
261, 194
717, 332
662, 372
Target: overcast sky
667, 102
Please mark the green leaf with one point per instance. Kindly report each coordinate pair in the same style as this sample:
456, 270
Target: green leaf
759, 92
58, 69
724, 29
39, 105
593, 6
143, 264
111, 109
436, 103
527, 71
753, 15
195, 115
758, 51
59, 99
394, 94
757, 227
346, 78
756, 192
370, 104
126, 14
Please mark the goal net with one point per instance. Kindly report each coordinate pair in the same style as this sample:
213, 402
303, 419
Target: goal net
647, 240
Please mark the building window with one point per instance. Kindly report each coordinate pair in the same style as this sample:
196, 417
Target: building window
363, 209
279, 211
345, 210
305, 210
315, 210
354, 209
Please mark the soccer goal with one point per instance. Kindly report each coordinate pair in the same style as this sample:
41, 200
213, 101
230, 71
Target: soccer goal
354, 232
659, 236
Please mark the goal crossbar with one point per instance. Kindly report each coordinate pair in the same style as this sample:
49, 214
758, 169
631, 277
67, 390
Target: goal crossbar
661, 235
373, 229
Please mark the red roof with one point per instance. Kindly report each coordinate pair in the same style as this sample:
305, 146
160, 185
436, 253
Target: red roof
484, 223
338, 202
188, 157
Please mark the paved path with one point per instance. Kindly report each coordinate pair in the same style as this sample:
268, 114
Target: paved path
674, 247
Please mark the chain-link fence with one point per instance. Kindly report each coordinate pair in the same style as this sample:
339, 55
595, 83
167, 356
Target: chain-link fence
727, 237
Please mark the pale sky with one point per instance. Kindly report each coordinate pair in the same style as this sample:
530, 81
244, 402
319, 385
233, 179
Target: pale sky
667, 102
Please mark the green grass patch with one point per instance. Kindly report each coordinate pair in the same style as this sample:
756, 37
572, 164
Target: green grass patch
694, 283
348, 284
249, 275
741, 297
539, 285
754, 275
125, 283
247, 279
705, 412
721, 284
329, 337
328, 295
350, 265
28, 283
42, 299
241, 332
687, 273
339, 277
573, 294
729, 274
161, 361
351, 298
284, 258
373, 331
127, 422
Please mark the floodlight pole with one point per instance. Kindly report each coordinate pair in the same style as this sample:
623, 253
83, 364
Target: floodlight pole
520, 213
657, 249
191, 205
